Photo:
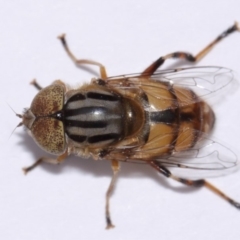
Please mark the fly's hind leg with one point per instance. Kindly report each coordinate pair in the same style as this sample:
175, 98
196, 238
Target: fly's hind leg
57, 160
188, 56
79, 62
115, 169
194, 183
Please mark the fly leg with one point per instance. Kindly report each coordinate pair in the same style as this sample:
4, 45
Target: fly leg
79, 62
36, 85
194, 183
188, 56
57, 160
115, 169
39, 87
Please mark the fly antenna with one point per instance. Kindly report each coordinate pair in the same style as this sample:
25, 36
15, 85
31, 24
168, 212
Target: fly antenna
19, 125
17, 114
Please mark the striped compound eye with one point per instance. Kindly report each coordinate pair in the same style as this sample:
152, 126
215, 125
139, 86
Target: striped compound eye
49, 134
43, 121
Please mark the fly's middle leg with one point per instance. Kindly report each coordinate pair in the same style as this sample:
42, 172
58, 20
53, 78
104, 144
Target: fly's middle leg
194, 183
188, 56
79, 62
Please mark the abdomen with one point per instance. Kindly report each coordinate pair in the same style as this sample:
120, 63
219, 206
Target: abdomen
177, 119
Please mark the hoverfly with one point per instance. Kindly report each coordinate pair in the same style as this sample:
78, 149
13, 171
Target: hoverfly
157, 117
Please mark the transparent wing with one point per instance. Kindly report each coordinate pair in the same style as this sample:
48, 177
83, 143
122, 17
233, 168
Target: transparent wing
208, 158
204, 81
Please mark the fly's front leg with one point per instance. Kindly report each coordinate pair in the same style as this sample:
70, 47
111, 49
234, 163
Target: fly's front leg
57, 160
79, 62
194, 183
115, 169
39, 87
188, 56
35, 84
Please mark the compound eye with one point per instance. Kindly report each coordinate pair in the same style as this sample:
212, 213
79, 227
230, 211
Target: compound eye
49, 134
48, 101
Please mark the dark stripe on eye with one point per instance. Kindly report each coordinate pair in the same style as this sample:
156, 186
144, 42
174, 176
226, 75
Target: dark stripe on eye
167, 116
76, 97
85, 110
85, 124
77, 138
102, 96
103, 137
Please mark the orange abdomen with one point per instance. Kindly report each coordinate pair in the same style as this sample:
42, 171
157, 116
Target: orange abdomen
177, 119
